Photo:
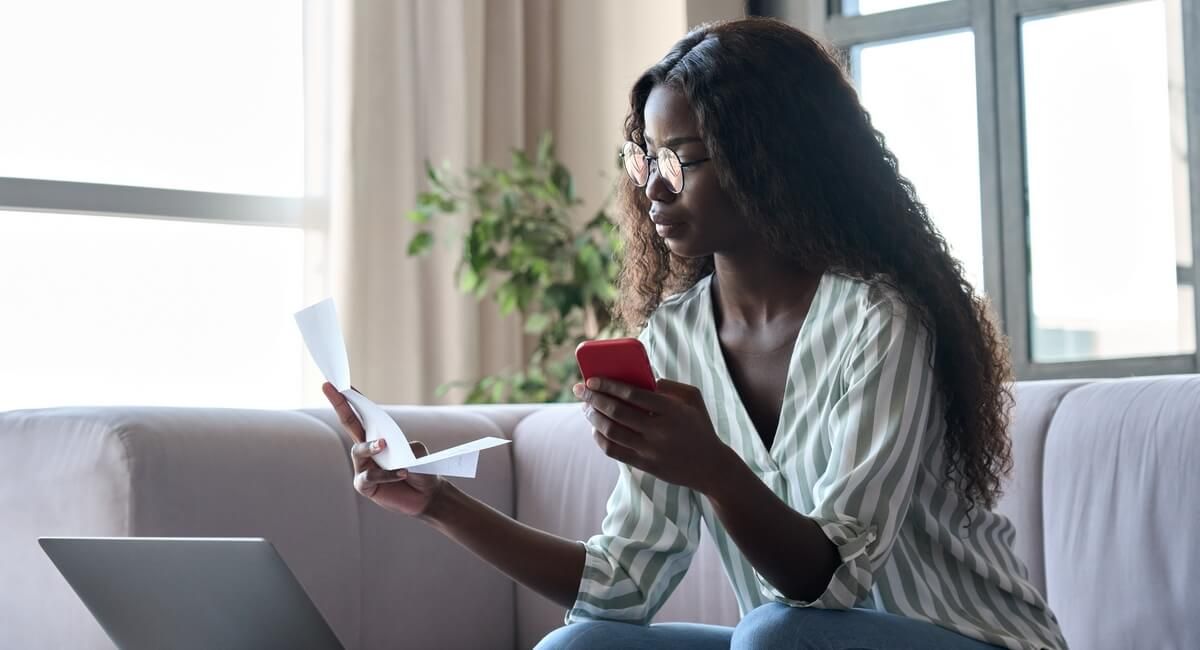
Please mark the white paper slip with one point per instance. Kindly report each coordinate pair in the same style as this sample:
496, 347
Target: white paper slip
323, 338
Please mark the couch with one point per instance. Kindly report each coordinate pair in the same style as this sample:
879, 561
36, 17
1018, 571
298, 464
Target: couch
1105, 495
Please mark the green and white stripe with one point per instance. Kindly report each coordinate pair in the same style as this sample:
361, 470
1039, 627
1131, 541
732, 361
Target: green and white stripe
858, 449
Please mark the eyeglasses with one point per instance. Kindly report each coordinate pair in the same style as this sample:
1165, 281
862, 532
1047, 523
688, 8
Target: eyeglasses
638, 163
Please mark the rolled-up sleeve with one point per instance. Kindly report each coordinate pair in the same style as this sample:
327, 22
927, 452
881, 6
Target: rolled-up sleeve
647, 541
880, 431
645, 546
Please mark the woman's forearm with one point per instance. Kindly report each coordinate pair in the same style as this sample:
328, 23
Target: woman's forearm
787, 548
548, 564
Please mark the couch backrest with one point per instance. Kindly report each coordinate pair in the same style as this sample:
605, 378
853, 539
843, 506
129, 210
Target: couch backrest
1121, 499
1035, 405
417, 588
1105, 496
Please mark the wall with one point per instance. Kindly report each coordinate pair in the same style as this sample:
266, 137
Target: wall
603, 47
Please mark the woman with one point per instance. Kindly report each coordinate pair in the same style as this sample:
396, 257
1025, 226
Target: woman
836, 400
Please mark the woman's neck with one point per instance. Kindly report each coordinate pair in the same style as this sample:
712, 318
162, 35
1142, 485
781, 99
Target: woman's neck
758, 290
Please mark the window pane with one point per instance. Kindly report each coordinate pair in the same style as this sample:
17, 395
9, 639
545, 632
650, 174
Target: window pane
863, 7
935, 139
196, 94
110, 310
1106, 166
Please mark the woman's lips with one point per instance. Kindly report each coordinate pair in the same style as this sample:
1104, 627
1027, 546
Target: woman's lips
666, 227
668, 230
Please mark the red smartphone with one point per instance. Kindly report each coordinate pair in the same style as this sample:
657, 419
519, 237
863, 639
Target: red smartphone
623, 360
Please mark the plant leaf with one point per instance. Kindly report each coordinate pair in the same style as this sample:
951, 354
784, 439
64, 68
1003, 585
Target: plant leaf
545, 150
468, 280
536, 323
506, 295
431, 174
520, 248
420, 243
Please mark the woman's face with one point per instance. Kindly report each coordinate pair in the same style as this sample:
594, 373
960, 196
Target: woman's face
702, 219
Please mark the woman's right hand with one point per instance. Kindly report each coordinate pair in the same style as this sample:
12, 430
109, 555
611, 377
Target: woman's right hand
396, 490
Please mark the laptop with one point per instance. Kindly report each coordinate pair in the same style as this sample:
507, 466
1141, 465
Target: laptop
156, 593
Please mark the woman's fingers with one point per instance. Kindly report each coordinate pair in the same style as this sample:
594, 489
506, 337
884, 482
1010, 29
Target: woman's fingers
364, 450
367, 481
648, 401
613, 430
377, 474
361, 453
363, 486
615, 450
619, 411
345, 414
368, 475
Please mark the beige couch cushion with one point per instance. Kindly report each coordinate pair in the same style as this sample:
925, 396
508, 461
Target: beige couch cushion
1122, 514
1036, 402
419, 589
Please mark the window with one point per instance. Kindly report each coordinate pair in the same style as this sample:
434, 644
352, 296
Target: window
1050, 145
936, 141
195, 95
1099, 160
119, 310
150, 181
864, 7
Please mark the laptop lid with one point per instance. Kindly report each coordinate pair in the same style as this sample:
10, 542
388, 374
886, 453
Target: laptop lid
153, 592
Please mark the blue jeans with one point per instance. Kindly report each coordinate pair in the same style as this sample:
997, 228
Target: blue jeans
773, 626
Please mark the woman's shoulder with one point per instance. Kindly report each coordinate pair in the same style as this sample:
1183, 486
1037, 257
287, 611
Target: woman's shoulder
867, 309
681, 305
869, 298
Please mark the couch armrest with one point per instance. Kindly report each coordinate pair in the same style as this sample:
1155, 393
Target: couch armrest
125, 471
66, 476
380, 579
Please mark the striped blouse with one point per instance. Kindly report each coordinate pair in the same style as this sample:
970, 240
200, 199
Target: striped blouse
858, 449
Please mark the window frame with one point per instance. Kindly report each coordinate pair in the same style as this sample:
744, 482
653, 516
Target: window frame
38, 195
78, 197
1003, 185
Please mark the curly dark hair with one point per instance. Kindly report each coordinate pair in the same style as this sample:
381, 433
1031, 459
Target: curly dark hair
794, 147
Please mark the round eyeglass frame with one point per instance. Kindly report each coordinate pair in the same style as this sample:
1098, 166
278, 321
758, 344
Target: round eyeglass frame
638, 164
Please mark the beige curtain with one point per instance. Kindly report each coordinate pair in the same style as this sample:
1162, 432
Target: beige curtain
438, 80
395, 82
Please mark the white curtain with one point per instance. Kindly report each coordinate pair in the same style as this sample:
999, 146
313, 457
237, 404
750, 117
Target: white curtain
438, 80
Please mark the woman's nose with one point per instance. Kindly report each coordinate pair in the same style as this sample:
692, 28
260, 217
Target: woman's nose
658, 189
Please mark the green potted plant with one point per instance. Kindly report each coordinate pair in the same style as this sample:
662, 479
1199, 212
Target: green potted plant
521, 250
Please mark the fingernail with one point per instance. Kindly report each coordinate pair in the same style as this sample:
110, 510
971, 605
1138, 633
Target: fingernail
382, 442
401, 473
593, 384
578, 390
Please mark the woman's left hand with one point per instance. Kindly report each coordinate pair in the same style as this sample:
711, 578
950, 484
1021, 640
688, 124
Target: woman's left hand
666, 433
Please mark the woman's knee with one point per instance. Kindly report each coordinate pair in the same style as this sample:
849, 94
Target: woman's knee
777, 626
584, 635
